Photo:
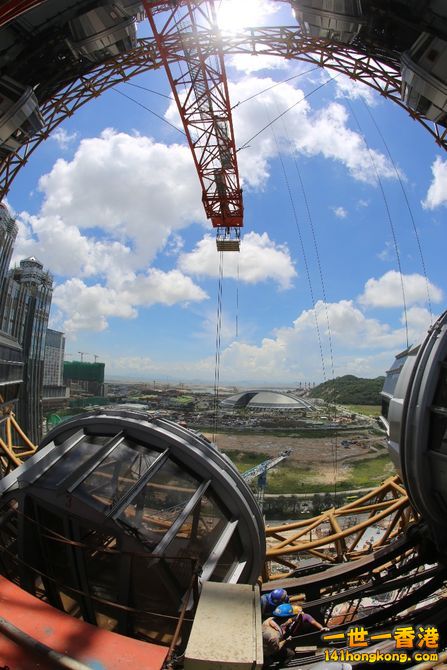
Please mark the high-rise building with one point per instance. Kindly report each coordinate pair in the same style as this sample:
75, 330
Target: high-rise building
53, 369
55, 393
8, 234
84, 379
11, 357
24, 311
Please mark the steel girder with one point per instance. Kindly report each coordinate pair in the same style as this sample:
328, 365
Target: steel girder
286, 42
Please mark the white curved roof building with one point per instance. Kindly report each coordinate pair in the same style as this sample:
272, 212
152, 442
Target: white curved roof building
265, 399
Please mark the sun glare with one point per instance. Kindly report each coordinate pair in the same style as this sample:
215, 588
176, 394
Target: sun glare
233, 15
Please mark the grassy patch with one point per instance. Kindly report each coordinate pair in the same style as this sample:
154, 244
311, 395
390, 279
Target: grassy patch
290, 477
370, 471
367, 410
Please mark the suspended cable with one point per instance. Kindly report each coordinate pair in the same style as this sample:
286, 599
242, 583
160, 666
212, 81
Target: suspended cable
410, 211
303, 252
390, 220
218, 346
287, 110
328, 325
237, 300
323, 289
149, 90
278, 83
148, 110
329, 332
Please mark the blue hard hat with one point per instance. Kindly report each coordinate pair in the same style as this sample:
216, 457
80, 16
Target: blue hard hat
284, 610
279, 596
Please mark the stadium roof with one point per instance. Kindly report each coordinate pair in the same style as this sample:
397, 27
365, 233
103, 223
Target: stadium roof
264, 399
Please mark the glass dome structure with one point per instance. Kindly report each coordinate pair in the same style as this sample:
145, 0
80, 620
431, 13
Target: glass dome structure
121, 514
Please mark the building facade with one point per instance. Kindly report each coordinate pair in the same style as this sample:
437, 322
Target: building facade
53, 370
55, 393
8, 234
11, 356
84, 379
24, 311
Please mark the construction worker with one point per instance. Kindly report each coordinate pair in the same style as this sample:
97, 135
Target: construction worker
270, 601
278, 631
274, 639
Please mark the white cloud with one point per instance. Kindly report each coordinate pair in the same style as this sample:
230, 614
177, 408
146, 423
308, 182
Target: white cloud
388, 253
105, 215
232, 15
66, 251
323, 132
90, 307
137, 191
355, 90
340, 212
63, 138
360, 345
387, 290
260, 259
249, 63
418, 321
167, 288
363, 203
437, 193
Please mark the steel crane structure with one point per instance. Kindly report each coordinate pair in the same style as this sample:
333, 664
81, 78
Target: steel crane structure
215, 149
203, 101
268, 464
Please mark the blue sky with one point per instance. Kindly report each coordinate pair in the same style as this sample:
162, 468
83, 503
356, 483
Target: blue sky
111, 205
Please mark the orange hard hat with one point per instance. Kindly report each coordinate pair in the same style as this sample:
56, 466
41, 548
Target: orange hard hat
297, 609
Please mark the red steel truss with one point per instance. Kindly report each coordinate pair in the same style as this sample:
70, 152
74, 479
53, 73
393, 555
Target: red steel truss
200, 91
284, 42
11, 9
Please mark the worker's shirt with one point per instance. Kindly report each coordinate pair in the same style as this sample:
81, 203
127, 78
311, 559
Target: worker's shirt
272, 636
302, 623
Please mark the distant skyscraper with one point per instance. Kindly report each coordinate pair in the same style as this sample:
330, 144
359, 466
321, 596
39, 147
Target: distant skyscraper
8, 234
24, 312
11, 357
53, 370
54, 391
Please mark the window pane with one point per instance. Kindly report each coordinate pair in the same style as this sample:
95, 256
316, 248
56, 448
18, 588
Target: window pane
116, 475
72, 461
163, 498
211, 524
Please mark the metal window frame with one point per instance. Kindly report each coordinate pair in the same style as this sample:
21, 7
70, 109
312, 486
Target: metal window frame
218, 549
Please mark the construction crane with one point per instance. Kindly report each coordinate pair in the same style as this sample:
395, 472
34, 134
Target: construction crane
203, 102
83, 353
260, 471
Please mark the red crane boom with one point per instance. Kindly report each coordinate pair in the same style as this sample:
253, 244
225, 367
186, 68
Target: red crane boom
201, 94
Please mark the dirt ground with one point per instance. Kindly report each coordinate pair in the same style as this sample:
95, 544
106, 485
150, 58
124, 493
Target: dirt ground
304, 450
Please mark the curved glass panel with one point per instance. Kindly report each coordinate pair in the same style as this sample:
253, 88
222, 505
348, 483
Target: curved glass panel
152, 512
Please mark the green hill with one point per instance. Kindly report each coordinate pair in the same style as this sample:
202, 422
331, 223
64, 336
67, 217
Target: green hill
350, 390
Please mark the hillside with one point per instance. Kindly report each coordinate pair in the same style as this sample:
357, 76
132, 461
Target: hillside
350, 390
